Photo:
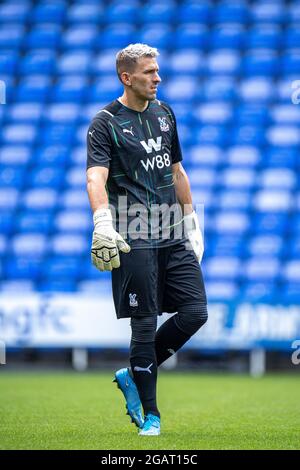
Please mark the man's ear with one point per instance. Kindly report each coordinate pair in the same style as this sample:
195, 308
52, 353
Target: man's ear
126, 79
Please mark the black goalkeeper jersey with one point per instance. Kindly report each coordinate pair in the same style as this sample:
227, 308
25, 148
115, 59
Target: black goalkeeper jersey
139, 149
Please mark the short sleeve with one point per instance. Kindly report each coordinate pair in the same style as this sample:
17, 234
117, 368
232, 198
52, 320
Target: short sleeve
99, 146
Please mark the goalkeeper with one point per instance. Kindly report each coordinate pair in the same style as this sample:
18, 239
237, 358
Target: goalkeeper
134, 155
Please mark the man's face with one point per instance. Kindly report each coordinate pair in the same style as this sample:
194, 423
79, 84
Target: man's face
145, 79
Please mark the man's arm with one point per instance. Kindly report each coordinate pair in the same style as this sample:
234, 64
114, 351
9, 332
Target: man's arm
184, 197
182, 188
106, 242
96, 181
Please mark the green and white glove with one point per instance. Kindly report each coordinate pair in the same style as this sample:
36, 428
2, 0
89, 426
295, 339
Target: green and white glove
106, 242
194, 234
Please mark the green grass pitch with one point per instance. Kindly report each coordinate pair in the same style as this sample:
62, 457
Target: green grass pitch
86, 411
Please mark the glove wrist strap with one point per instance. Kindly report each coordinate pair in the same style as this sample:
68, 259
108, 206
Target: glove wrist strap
102, 216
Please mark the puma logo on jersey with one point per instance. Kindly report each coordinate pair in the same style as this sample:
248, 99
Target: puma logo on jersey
128, 131
143, 369
91, 132
152, 144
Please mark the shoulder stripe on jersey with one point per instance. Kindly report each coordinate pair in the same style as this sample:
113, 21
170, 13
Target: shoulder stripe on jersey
105, 111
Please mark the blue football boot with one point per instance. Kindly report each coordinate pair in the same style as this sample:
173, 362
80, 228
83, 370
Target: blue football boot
151, 426
133, 403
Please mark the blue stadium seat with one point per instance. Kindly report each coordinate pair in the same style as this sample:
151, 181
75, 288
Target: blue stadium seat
291, 271
57, 134
18, 134
280, 157
8, 198
46, 177
267, 36
13, 286
189, 61
223, 62
66, 113
282, 178
75, 62
6, 219
208, 155
243, 155
11, 177
187, 86
8, 62
34, 88
259, 291
11, 36
22, 113
290, 62
265, 245
52, 155
221, 290
216, 135
237, 178
261, 62
283, 136
255, 112
227, 222
69, 244
285, 114
40, 221
80, 37
292, 36
73, 221
38, 62
223, 268
269, 222
218, 89
89, 13
228, 35
15, 155
271, 12
74, 199
105, 63
44, 37
213, 113
66, 268
225, 245
126, 12
160, 35
234, 199
23, 267
49, 12
290, 292
29, 244
39, 199
231, 12
14, 12
157, 11
261, 268
191, 36
105, 89
272, 200
190, 10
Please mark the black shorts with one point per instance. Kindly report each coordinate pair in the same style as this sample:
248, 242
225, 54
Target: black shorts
156, 280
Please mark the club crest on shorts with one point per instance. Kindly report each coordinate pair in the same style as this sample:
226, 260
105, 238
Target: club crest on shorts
132, 300
164, 126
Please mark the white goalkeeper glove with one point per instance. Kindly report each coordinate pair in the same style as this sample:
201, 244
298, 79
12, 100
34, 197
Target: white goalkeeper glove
194, 234
106, 242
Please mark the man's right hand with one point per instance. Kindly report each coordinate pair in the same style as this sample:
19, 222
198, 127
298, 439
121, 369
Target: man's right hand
106, 242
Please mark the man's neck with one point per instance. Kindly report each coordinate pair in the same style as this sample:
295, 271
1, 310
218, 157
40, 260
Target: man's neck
134, 103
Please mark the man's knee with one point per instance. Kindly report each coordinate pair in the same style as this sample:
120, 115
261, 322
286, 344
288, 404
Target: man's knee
143, 328
191, 318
